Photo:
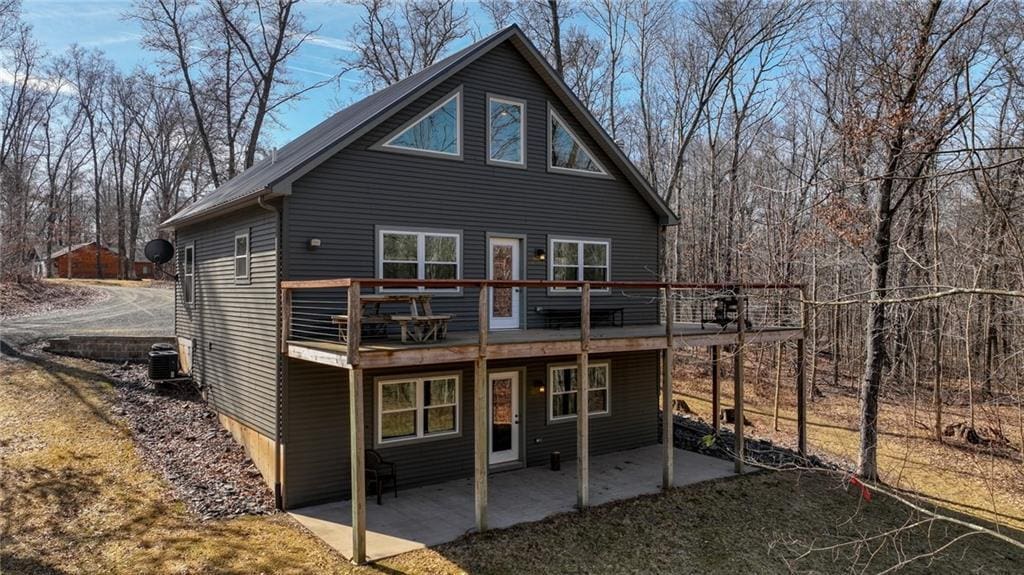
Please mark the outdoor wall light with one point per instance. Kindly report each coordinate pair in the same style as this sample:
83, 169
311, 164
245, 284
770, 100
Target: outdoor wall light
314, 244
540, 255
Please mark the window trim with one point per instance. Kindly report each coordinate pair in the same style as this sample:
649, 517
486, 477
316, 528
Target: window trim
385, 143
522, 130
606, 364
420, 257
420, 437
248, 257
553, 115
187, 276
579, 262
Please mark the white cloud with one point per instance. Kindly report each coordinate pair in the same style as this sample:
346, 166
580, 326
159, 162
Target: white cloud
44, 84
121, 38
310, 71
332, 43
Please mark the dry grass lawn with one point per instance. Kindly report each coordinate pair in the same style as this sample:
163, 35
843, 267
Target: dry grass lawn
987, 484
78, 499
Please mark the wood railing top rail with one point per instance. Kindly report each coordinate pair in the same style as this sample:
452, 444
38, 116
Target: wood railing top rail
416, 283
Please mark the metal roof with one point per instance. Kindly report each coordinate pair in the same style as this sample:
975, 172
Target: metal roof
273, 176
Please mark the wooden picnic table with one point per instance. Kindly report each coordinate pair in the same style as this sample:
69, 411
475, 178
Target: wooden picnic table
420, 324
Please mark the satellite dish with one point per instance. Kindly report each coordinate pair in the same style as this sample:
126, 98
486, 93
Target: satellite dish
159, 251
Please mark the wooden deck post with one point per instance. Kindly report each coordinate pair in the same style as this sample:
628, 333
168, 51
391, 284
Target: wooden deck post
737, 409
357, 441
286, 318
667, 388
716, 390
583, 404
480, 423
801, 392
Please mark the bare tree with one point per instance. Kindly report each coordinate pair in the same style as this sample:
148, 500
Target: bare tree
393, 40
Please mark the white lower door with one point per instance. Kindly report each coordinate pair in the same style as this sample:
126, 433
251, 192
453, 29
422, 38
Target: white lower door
503, 401
503, 264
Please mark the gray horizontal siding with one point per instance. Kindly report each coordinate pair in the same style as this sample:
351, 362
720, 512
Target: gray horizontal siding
234, 326
342, 200
316, 444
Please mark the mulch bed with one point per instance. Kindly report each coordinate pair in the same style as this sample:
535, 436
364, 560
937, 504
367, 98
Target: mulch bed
179, 435
34, 297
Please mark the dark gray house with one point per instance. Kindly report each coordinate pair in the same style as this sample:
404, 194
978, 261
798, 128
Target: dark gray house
482, 167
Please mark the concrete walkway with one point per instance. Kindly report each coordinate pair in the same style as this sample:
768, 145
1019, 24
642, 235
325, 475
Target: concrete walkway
435, 514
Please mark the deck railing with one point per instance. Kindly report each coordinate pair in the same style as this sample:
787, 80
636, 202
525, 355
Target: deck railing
309, 306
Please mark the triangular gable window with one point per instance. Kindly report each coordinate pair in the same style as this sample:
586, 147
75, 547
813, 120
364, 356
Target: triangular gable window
436, 131
566, 152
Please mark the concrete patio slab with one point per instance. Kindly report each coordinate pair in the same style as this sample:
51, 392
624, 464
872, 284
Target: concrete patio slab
435, 514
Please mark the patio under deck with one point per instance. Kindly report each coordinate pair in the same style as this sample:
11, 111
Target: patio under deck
464, 345
435, 514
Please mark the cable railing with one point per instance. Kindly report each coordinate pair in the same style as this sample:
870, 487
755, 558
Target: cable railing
413, 311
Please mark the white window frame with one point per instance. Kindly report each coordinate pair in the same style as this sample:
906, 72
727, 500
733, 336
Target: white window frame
248, 259
580, 242
420, 409
551, 390
522, 131
421, 234
553, 115
386, 143
188, 275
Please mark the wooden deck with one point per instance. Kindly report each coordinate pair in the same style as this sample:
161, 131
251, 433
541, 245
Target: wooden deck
463, 346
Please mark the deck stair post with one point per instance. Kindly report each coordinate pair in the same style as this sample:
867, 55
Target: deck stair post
357, 442
480, 423
738, 378
668, 419
582, 403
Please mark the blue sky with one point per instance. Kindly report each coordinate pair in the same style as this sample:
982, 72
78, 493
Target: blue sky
58, 24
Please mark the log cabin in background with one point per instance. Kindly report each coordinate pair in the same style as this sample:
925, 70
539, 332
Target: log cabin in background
82, 259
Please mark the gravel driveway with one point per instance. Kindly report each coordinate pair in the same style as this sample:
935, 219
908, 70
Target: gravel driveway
126, 311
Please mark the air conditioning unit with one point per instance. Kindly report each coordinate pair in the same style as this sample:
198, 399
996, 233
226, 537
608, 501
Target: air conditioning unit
163, 362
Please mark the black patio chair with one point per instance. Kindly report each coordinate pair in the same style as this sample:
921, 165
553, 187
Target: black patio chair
380, 472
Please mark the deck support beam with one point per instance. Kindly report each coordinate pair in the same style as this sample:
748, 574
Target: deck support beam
357, 440
801, 392
583, 404
480, 420
716, 390
668, 422
737, 410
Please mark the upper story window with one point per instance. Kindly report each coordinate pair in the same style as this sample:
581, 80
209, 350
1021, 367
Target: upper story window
417, 407
506, 131
242, 255
565, 151
563, 398
434, 132
188, 285
407, 254
579, 260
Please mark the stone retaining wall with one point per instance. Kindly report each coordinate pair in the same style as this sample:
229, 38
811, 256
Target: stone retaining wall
106, 347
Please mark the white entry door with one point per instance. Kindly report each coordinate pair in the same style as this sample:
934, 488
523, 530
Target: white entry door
503, 403
503, 264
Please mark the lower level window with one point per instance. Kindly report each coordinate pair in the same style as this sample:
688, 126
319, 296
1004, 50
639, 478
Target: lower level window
562, 401
417, 407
